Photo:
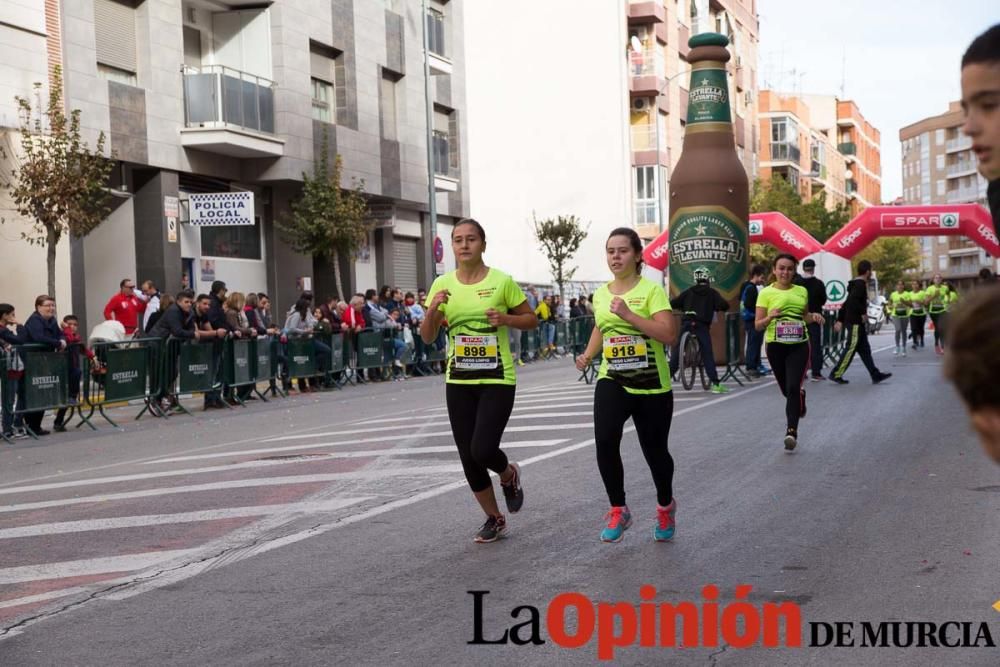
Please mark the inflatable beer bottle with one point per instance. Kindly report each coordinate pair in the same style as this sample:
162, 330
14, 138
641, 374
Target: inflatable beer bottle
709, 191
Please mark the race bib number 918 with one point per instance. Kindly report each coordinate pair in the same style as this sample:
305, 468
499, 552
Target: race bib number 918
476, 352
625, 352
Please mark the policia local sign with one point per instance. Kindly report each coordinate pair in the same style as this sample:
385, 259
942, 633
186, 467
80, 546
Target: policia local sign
221, 208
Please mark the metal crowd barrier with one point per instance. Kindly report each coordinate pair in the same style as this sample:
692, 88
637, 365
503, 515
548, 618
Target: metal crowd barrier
129, 370
44, 384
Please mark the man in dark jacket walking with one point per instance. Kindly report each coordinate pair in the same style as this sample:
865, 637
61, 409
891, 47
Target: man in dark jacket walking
852, 315
817, 299
699, 304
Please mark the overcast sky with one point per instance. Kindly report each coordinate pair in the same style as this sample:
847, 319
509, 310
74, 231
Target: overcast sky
901, 58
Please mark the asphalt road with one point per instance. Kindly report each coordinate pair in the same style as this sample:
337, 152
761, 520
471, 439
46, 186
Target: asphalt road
336, 528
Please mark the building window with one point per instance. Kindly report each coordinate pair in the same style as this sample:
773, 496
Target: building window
232, 241
940, 188
114, 37
445, 142
435, 32
322, 98
387, 102
938, 137
114, 74
939, 162
329, 99
645, 191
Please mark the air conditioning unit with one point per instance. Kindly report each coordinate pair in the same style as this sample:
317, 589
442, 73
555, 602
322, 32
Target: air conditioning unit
639, 103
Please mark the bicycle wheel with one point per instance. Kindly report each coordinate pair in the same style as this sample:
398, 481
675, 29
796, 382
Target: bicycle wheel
690, 356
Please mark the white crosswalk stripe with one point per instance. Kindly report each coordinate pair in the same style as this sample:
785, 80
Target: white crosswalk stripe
115, 523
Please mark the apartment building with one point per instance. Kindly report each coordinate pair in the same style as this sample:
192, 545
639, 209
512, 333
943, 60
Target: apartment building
940, 168
234, 99
861, 144
658, 32
802, 146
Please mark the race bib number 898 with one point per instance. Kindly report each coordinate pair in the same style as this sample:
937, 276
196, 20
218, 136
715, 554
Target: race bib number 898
476, 352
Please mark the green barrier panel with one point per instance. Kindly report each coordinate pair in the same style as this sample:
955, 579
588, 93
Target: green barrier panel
301, 358
369, 349
45, 380
734, 336
337, 346
196, 368
237, 365
562, 336
127, 372
529, 343
130, 371
264, 370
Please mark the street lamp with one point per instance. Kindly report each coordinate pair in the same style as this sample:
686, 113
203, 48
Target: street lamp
429, 111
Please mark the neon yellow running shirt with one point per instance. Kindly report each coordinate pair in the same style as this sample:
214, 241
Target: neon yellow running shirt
900, 304
478, 353
790, 327
629, 357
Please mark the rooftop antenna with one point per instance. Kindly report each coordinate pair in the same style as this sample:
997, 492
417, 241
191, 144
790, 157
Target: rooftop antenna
843, 72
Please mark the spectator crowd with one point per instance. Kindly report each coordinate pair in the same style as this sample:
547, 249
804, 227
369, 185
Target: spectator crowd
146, 313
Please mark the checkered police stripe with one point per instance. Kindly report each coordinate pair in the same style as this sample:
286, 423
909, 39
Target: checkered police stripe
221, 209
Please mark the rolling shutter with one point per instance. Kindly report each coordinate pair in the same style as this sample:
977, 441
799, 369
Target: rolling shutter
114, 25
404, 259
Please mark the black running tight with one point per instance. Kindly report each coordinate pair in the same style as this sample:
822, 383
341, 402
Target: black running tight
789, 362
938, 320
651, 415
478, 415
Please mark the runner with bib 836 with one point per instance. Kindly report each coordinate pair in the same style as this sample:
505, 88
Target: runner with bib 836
480, 304
782, 314
633, 323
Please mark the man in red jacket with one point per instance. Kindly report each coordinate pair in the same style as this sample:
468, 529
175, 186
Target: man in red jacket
126, 307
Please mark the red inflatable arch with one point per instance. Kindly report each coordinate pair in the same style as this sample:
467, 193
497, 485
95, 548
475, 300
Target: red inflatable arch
773, 228
971, 220
777, 230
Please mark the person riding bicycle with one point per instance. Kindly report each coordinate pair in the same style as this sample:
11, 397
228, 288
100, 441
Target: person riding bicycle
698, 304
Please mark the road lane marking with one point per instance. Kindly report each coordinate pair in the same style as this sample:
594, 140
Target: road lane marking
90, 566
114, 523
514, 429
373, 452
379, 473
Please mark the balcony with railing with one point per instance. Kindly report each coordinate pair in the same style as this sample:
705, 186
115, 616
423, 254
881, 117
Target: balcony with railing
963, 168
847, 148
683, 35
959, 144
851, 187
963, 195
229, 112
646, 11
644, 146
646, 212
646, 69
785, 152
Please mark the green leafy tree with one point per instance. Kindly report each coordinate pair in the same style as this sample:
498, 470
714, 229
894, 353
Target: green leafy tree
560, 238
327, 221
777, 194
60, 184
893, 258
